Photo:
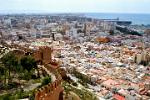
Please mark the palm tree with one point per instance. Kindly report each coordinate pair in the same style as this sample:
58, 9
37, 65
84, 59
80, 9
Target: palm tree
28, 63
10, 62
2, 72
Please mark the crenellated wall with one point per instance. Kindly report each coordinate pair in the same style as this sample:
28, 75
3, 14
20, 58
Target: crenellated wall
52, 91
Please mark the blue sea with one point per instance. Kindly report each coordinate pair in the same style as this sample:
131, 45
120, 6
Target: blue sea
137, 19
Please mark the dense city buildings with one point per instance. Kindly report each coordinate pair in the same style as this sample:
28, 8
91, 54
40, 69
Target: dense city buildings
86, 58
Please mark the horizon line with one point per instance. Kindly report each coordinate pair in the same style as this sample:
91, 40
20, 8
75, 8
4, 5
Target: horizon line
45, 12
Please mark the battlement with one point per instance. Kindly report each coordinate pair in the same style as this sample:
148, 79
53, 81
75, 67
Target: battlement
43, 55
52, 91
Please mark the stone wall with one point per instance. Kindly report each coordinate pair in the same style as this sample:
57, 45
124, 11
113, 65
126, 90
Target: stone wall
43, 54
52, 91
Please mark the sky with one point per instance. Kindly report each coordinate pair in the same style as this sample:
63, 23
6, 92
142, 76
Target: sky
74, 6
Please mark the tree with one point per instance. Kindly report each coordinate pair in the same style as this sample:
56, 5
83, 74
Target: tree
10, 62
28, 63
46, 80
2, 70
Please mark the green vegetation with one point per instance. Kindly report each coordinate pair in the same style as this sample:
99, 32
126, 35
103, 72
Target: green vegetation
18, 95
14, 73
82, 93
2, 71
28, 63
83, 79
10, 64
83, 83
46, 80
147, 74
12, 67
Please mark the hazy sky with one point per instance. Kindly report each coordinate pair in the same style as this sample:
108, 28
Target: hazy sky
51, 6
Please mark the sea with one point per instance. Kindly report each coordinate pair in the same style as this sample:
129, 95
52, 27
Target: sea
137, 19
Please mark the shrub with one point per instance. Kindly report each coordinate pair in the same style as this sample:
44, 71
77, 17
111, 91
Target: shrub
74, 84
26, 75
46, 80
12, 85
2, 71
6, 97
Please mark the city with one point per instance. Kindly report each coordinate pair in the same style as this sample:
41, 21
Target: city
74, 50
92, 53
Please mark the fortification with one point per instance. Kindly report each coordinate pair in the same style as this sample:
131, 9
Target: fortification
54, 90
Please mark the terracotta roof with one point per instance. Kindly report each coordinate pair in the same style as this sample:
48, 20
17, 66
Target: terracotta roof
118, 97
110, 82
